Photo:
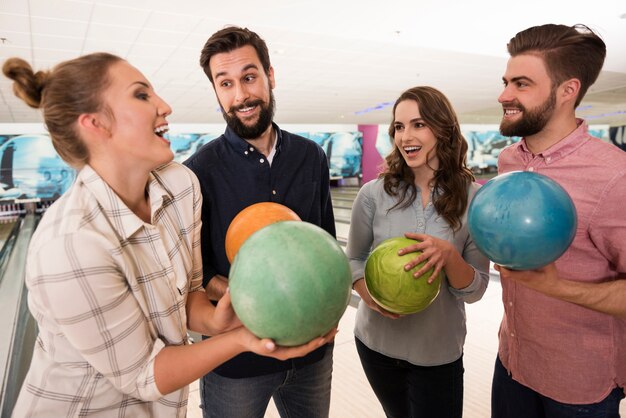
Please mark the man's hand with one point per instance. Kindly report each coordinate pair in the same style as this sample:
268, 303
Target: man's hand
224, 317
607, 297
216, 288
545, 279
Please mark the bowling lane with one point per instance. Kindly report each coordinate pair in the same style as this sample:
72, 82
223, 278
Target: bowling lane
342, 214
342, 233
5, 231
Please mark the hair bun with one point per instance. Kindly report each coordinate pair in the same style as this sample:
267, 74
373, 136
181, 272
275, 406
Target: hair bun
27, 85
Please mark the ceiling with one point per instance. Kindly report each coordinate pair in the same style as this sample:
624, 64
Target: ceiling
335, 62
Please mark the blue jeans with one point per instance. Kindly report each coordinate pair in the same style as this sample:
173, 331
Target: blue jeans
298, 393
510, 399
406, 390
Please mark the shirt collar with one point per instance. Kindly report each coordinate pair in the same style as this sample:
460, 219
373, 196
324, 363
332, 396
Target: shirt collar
272, 153
242, 146
122, 219
565, 146
160, 195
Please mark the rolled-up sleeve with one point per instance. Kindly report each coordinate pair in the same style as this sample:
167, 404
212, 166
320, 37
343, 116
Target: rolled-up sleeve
475, 291
480, 263
81, 293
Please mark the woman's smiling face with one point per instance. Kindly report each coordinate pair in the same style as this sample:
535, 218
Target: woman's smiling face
415, 141
137, 121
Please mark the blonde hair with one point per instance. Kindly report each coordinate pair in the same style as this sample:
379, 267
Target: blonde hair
64, 93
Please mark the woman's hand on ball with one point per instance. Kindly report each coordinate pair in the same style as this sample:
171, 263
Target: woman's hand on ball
267, 347
434, 255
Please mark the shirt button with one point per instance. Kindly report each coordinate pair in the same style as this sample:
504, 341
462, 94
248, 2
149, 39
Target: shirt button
531, 169
548, 159
251, 149
245, 152
273, 191
261, 160
510, 303
512, 334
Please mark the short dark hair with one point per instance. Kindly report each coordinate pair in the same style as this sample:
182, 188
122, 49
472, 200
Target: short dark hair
229, 39
568, 51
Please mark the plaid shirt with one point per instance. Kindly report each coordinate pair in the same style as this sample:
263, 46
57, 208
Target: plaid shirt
108, 292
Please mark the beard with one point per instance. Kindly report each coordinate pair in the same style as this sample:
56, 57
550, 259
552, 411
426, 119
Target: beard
532, 121
266, 115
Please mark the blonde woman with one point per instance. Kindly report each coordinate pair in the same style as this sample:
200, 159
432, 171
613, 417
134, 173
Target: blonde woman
114, 269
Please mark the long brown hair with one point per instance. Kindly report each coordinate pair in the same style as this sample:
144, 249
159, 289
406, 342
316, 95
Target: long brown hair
70, 89
452, 178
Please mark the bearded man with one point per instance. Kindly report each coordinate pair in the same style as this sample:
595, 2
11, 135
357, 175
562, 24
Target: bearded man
562, 342
255, 161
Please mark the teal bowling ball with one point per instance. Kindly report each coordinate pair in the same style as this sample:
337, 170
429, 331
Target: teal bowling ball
291, 282
522, 220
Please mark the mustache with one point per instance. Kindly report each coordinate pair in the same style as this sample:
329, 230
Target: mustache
514, 104
249, 103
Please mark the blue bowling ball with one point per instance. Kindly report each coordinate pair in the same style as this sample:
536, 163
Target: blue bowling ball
522, 220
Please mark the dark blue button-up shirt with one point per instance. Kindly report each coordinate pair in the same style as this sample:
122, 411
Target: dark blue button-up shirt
234, 175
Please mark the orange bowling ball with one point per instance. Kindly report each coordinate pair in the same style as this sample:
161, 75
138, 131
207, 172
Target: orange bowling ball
251, 219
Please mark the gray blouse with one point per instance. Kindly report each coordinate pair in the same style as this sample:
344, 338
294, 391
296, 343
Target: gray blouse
436, 335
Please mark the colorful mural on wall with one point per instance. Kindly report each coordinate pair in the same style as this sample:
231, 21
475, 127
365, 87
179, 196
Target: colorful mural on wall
185, 145
483, 150
343, 150
30, 167
617, 136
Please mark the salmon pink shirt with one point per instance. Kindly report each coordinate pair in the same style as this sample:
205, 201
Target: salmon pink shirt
561, 350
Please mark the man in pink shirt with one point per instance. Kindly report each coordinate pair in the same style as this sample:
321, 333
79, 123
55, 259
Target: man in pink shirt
562, 349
